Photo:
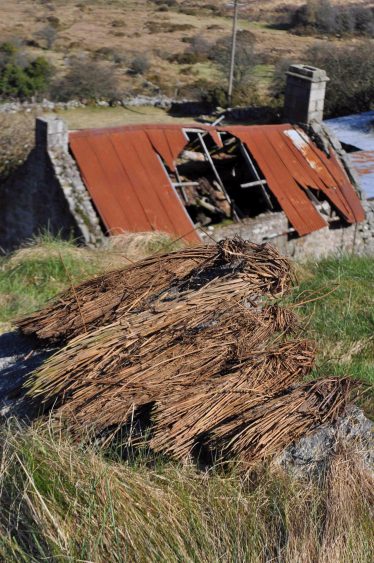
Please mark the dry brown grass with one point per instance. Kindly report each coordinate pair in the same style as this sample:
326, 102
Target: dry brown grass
62, 502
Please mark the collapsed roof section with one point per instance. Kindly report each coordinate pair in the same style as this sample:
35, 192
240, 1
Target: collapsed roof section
168, 177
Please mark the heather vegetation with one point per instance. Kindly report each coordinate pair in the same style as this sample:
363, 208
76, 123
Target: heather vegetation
111, 51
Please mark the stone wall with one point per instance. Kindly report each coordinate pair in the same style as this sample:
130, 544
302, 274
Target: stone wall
274, 228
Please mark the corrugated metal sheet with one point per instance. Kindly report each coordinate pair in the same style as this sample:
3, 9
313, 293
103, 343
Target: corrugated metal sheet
277, 167
335, 183
291, 162
128, 184
121, 168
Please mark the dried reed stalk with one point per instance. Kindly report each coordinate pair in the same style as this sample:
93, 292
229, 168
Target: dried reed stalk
110, 297
249, 423
183, 418
209, 325
195, 343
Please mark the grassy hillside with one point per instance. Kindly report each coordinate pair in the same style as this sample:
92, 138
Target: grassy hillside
116, 31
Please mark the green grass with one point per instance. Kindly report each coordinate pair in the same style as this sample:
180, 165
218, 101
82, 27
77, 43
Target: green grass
342, 316
91, 116
36, 273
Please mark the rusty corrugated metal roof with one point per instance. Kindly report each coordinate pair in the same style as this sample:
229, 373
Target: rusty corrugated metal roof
131, 189
291, 163
128, 183
273, 158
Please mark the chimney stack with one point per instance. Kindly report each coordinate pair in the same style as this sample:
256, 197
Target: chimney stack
51, 133
305, 94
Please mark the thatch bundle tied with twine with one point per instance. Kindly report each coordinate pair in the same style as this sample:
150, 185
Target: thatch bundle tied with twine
192, 343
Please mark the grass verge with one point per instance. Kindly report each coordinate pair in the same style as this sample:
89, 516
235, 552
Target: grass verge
37, 272
339, 302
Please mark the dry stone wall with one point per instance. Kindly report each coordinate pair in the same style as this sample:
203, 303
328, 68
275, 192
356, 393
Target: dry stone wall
274, 228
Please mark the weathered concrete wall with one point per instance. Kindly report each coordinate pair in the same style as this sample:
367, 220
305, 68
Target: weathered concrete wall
274, 228
52, 136
47, 194
31, 202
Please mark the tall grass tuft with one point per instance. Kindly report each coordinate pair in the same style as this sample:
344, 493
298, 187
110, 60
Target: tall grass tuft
62, 502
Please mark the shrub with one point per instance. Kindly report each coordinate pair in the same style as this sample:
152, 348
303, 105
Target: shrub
16, 140
167, 3
21, 77
86, 79
48, 35
199, 48
351, 74
321, 16
243, 95
140, 64
245, 60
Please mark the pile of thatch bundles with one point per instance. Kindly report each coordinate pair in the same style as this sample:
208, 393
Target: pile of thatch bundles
210, 360
109, 297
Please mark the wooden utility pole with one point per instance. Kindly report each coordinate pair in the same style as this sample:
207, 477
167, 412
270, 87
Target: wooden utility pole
233, 51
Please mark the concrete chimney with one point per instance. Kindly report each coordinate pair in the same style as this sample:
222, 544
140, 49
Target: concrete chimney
51, 133
305, 94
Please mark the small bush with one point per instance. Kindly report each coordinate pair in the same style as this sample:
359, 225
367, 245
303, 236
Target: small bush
140, 64
321, 16
21, 77
118, 23
245, 60
48, 35
167, 27
199, 49
167, 3
16, 141
87, 79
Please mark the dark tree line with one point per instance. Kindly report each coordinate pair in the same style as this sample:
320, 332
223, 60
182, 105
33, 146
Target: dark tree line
321, 16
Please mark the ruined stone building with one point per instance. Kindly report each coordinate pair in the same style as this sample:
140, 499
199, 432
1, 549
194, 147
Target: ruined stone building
291, 184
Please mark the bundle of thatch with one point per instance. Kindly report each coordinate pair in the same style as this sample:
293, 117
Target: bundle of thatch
109, 297
252, 422
210, 360
216, 325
